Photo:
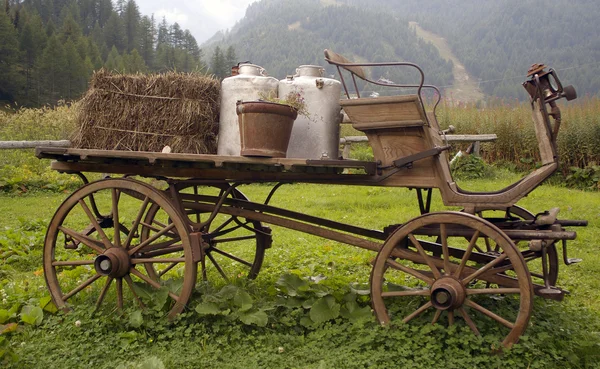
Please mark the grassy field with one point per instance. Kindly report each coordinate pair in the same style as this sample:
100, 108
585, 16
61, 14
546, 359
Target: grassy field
283, 333
560, 334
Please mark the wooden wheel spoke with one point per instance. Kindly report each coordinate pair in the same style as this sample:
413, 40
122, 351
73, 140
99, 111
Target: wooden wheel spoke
436, 317
88, 282
116, 195
158, 229
427, 258
221, 272
233, 239
445, 250
119, 283
151, 282
135, 295
416, 292
484, 311
492, 291
469, 321
135, 261
136, 222
73, 263
394, 264
84, 239
166, 270
151, 239
483, 269
467, 255
95, 223
160, 224
450, 318
103, 292
225, 224
232, 257
417, 312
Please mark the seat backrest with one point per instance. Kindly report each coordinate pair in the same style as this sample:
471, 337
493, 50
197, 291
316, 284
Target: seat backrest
337, 59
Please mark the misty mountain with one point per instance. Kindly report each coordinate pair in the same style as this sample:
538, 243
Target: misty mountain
496, 40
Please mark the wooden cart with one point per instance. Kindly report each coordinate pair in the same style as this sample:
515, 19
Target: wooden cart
126, 231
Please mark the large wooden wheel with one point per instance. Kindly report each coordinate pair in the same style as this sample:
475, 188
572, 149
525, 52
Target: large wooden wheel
517, 213
233, 246
431, 265
93, 252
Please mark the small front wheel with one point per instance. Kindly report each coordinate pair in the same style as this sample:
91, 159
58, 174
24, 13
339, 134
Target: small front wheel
431, 265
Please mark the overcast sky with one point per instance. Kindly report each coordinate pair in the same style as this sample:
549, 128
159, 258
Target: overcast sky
202, 17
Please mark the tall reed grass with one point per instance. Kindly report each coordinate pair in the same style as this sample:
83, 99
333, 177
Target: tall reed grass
578, 139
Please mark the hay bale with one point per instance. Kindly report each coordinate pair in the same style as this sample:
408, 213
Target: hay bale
148, 112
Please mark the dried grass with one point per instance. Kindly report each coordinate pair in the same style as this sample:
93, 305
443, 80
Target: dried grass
149, 112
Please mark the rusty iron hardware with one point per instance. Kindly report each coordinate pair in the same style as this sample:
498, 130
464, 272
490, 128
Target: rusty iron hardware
408, 160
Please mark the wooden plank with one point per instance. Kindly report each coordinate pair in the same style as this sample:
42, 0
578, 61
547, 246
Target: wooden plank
472, 138
450, 138
33, 144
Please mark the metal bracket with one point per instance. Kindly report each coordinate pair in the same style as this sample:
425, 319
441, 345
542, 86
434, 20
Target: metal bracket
566, 260
407, 161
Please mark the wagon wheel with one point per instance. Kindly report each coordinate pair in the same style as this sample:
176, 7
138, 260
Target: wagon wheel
234, 246
409, 280
94, 237
516, 212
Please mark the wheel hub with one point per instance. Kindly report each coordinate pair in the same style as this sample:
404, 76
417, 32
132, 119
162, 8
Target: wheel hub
113, 263
447, 293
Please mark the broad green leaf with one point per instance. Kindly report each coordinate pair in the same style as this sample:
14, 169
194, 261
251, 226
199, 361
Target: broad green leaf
289, 302
4, 316
10, 327
255, 317
305, 321
360, 288
143, 291
160, 297
308, 303
228, 292
243, 300
32, 315
292, 285
324, 309
208, 308
174, 285
320, 290
135, 319
47, 304
353, 312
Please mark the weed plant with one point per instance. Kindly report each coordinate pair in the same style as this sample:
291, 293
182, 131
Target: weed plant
306, 309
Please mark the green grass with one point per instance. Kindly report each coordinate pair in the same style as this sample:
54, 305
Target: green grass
560, 334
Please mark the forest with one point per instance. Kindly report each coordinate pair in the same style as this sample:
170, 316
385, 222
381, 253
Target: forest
281, 35
496, 40
50, 48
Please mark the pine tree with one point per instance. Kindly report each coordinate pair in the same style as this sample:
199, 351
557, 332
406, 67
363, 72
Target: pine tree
131, 18
113, 32
9, 56
230, 57
135, 63
114, 61
52, 67
147, 38
74, 71
163, 33
218, 65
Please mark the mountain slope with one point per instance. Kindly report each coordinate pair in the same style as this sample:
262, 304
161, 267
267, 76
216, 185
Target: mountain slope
281, 35
498, 40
